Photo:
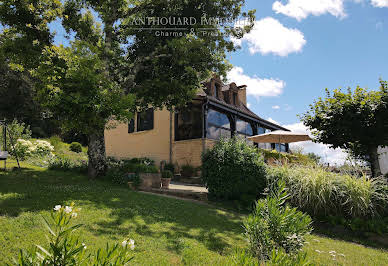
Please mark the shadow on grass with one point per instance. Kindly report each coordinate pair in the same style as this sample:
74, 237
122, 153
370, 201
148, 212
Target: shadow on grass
33, 190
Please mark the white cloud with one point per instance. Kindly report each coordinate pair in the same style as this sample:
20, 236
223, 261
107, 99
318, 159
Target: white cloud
276, 107
249, 105
256, 86
379, 3
328, 155
273, 121
301, 9
270, 36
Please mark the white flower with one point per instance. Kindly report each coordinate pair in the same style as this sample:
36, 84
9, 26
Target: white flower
57, 207
131, 244
74, 214
68, 209
124, 243
343, 255
83, 244
318, 251
332, 252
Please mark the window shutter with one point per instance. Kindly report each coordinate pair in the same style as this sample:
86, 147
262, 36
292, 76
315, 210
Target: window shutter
131, 126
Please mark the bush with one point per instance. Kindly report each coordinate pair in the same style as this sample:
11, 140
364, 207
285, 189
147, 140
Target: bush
64, 163
66, 248
15, 131
232, 169
318, 192
118, 169
170, 167
167, 174
25, 149
142, 160
188, 170
75, 147
273, 225
56, 142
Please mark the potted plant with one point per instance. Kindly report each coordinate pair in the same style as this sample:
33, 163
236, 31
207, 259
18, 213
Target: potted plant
134, 180
166, 178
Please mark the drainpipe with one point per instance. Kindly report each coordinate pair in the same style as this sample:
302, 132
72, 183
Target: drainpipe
204, 115
171, 116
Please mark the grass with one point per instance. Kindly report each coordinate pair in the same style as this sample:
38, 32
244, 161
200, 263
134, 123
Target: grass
167, 231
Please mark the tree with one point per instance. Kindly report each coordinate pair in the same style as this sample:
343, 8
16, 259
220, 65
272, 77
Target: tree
354, 121
84, 84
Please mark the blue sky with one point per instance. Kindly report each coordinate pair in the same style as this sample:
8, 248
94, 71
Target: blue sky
300, 47
330, 51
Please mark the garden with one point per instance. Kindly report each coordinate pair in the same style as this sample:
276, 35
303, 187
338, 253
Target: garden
295, 214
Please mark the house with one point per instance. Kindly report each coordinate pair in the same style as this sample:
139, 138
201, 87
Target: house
218, 110
383, 159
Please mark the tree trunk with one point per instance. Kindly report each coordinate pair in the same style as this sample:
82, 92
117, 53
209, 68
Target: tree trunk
374, 161
96, 154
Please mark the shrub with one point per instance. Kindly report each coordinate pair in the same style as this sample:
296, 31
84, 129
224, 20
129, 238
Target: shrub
118, 170
75, 147
24, 149
142, 160
233, 168
66, 248
170, 167
281, 258
319, 192
16, 131
64, 163
167, 174
188, 170
273, 225
56, 142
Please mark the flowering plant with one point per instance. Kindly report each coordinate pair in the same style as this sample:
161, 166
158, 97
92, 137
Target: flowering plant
25, 148
65, 248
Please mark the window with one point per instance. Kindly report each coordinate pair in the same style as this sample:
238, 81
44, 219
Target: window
262, 130
218, 125
216, 92
131, 126
244, 128
145, 120
234, 98
188, 123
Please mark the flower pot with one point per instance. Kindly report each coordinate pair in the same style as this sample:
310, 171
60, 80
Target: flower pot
166, 182
150, 180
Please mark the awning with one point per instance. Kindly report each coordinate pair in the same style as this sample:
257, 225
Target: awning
280, 136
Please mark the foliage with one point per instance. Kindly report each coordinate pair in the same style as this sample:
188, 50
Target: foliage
15, 130
56, 142
354, 121
135, 179
319, 192
275, 225
233, 168
118, 170
314, 157
65, 248
188, 170
167, 174
75, 147
142, 160
286, 158
170, 167
242, 257
68, 163
111, 213
24, 149
378, 225
280, 258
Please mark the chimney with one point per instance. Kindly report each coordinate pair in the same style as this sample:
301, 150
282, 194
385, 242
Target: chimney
242, 94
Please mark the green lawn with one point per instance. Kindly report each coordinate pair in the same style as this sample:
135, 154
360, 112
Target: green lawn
166, 231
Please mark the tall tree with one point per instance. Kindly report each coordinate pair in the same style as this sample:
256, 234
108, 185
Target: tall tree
354, 121
84, 84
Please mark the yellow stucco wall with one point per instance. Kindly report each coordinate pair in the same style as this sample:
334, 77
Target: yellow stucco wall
154, 143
